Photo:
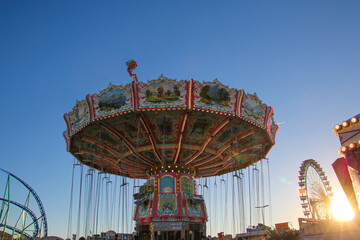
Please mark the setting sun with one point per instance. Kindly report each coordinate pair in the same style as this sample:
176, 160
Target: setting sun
341, 209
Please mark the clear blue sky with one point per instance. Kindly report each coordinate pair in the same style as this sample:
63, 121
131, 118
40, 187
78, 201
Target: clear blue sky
301, 57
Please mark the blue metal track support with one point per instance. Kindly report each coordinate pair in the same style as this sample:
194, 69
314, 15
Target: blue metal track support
17, 230
38, 201
28, 210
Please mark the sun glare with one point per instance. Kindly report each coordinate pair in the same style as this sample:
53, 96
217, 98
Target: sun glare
341, 209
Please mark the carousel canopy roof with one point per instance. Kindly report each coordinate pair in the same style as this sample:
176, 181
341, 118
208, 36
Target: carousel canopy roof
207, 128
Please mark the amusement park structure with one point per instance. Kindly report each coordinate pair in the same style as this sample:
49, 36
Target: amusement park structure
315, 191
170, 132
347, 168
22, 214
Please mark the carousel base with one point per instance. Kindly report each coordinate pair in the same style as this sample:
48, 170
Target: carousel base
167, 206
171, 231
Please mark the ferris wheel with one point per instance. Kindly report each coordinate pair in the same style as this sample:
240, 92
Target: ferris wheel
315, 191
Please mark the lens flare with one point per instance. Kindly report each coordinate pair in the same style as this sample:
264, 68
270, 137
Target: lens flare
341, 209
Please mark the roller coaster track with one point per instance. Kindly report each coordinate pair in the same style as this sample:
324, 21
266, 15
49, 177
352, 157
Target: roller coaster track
17, 230
28, 210
37, 199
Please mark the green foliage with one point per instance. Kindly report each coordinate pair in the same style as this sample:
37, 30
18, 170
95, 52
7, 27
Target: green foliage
204, 92
176, 90
222, 97
201, 125
171, 97
161, 96
291, 234
225, 96
148, 93
153, 99
160, 91
165, 126
107, 106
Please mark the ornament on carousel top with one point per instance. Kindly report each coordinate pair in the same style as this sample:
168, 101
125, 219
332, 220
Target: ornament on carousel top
131, 65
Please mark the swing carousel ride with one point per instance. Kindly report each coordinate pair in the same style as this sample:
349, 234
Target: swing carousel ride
169, 132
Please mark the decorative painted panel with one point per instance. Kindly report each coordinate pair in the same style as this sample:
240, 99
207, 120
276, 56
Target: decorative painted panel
163, 126
79, 116
269, 114
253, 110
214, 96
112, 100
162, 93
186, 185
149, 154
167, 184
143, 209
186, 152
67, 140
167, 153
228, 135
193, 208
147, 188
273, 128
167, 204
200, 125
350, 135
131, 129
